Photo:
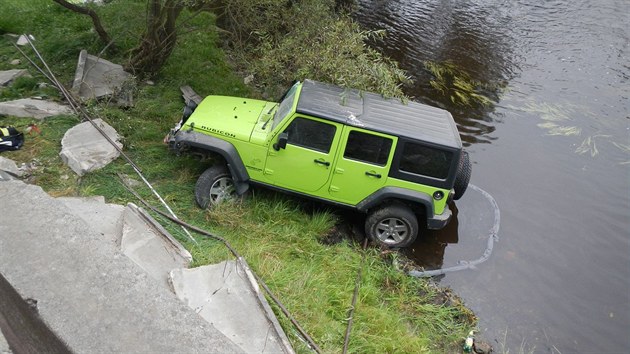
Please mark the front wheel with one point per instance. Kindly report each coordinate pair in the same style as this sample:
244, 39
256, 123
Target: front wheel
215, 185
392, 226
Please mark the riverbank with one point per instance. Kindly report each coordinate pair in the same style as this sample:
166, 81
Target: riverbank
281, 238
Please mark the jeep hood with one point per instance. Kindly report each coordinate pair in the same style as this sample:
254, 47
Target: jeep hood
232, 117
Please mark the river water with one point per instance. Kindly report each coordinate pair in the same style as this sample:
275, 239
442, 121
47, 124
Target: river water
554, 151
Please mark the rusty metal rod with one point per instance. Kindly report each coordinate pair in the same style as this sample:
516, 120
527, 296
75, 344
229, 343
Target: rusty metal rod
78, 108
203, 232
357, 284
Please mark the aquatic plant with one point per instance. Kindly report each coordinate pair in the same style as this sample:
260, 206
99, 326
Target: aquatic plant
458, 85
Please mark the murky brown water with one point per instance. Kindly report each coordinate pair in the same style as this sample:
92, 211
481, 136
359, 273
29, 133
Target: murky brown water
554, 151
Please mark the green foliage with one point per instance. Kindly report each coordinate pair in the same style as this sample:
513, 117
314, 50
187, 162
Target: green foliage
280, 43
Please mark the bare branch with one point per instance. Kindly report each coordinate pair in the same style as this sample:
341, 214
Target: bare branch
96, 21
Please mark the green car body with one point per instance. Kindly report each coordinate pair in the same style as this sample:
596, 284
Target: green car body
345, 147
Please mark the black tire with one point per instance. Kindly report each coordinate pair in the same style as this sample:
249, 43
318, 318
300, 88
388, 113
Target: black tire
393, 226
464, 171
214, 186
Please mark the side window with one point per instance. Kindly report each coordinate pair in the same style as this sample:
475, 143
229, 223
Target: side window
311, 134
367, 148
424, 160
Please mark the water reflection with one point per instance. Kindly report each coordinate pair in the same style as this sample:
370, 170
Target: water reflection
560, 172
428, 250
468, 35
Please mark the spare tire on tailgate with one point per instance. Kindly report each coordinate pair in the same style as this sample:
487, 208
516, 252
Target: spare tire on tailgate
463, 176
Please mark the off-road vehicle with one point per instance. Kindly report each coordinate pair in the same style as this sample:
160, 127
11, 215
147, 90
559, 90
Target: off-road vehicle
394, 161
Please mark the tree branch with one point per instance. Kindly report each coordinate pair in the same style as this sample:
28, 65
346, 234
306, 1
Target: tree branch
96, 21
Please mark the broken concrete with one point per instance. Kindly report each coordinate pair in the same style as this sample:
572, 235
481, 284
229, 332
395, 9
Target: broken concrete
8, 165
84, 149
106, 219
228, 297
4, 346
57, 275
33, 108
151, 247
96, 78
7, 76
22, 40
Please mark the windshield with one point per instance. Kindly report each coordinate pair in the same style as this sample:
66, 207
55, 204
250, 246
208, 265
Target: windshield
285, 106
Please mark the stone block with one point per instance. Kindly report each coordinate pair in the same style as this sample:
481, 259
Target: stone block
227, 296
7, 76
84, 149
33, 108
151, 247
96, 77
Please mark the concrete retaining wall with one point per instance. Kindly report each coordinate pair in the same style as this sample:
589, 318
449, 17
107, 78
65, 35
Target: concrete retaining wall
58, 272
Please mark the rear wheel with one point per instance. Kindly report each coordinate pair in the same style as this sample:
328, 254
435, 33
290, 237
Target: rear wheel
463, 176
393, 225
215, 185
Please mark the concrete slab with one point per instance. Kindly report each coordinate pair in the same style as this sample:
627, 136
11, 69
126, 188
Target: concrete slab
106, 219
96, 77
84, 149
228, 297
150, 246
4, 346
33, 108
7, 76
9, 165
22, 40
57, 274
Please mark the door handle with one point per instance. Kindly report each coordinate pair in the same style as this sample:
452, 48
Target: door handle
322, 162
377, 175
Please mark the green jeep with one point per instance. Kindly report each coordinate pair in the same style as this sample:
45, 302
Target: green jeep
393, 161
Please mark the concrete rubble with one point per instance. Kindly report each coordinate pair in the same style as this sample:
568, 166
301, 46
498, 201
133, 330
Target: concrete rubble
8, 165
33, 108
96, 78
63, 289
146, 243
84, 149
4, 346
7, 76
225, 294
82, 275
23, 40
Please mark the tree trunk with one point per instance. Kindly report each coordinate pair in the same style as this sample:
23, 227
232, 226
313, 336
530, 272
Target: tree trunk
157, 43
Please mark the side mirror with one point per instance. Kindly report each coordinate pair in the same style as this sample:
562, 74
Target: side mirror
282, 141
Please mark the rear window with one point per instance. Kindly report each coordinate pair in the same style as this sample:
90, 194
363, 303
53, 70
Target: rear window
424, 160
367, 148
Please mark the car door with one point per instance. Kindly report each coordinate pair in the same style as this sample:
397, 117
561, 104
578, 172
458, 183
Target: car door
305, 164
362, 166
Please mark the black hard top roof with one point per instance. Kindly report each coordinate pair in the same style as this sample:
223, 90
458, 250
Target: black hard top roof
374, 112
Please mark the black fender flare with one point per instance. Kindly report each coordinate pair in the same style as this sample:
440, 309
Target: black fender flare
385, 193
434, 222
189, 138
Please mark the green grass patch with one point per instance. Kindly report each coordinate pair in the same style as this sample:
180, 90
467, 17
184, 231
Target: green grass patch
280, 237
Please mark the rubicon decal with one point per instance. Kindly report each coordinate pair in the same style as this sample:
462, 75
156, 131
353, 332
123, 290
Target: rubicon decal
217, 131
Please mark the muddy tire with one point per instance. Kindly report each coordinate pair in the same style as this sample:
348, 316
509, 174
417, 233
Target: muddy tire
215, 185
463, 176
392, 225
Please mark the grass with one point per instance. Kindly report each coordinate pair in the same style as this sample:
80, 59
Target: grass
280, 237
